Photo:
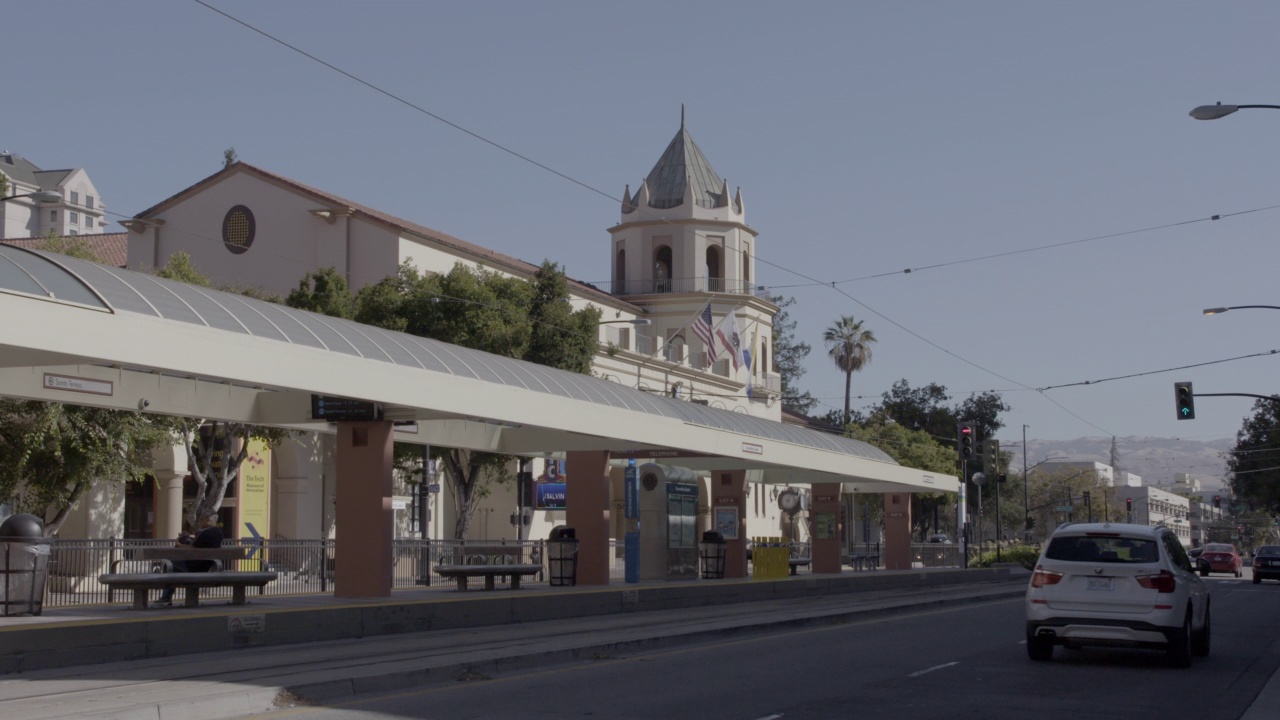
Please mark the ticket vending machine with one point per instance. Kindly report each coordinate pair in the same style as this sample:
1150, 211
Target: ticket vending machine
668, 522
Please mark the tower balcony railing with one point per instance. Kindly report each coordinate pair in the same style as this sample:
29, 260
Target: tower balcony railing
680, 285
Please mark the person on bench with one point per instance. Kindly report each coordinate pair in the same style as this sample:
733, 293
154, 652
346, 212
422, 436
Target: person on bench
210, 536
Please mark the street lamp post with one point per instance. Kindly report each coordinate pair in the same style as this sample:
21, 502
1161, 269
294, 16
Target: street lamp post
1213, 112
38, 196
1220, 310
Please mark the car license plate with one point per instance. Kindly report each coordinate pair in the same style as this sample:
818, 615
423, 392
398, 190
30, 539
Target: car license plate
1102, 583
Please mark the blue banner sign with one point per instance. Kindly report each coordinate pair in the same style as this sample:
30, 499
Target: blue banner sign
550, 496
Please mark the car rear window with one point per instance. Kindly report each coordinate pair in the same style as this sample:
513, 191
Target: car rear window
1103, 549
1268, 550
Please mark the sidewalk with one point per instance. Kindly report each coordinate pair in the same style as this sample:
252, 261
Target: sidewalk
234, 682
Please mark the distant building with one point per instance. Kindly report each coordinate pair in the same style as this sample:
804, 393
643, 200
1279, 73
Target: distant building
1127, 479
1184, 484
1153, 506
80, 211
1104, 473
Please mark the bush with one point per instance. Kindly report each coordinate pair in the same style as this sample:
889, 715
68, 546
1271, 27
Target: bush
1025, 555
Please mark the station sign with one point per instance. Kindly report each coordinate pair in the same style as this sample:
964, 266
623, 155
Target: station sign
324, 407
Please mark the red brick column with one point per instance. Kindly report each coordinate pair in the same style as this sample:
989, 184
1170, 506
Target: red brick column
824, 516
363, 516
897, 531
587, 512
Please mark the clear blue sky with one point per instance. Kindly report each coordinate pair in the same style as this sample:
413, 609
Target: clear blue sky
866, 137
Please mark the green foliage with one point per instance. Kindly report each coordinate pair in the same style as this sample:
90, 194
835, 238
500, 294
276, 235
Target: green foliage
788, 356
914, 449
51, 453
925, 408
324, 292
180, 269
229, 157
73, 246
849, 347
1025, 555
530, 320
1255, 463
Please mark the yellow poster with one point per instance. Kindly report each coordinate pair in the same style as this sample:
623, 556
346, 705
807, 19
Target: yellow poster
254, 492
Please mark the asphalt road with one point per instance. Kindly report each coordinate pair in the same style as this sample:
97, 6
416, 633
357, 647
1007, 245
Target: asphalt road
968, 662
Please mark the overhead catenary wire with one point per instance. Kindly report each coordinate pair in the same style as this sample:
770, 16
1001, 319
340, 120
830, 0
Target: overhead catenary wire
812, 281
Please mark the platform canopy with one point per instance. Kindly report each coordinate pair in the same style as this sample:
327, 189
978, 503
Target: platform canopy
83, 333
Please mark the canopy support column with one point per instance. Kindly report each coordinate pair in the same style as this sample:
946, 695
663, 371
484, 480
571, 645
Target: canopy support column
824, 511
587, 512
363, 516
897, 531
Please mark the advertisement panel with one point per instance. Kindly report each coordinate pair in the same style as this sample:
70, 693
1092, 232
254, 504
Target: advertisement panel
254, 492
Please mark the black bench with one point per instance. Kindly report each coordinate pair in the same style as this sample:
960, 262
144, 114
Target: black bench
866, 561
490, 562
795, 563
191, 582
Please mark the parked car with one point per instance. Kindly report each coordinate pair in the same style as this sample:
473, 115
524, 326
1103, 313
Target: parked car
939, 538
1112, 584
1266, 563
1220, 558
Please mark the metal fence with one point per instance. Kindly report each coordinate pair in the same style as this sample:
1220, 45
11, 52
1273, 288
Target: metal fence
303, 566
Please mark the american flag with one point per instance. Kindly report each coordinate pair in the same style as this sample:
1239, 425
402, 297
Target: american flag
702, 328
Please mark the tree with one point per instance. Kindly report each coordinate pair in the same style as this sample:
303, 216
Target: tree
324, 292
788, 358
1255, 462
923, 408
51, 453
229, 157
849, 346
914, 449
529, 320
215, 448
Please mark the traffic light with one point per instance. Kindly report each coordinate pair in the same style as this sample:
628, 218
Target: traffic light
966, 439
991, 457
1186, 400
1128, 504
1217, 501
1031, 523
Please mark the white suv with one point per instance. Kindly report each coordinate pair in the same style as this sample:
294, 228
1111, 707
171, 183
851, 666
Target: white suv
1119, 585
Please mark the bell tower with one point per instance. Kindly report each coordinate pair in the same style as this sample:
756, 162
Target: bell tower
681, 231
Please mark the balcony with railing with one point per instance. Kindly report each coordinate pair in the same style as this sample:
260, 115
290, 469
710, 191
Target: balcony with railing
680, 285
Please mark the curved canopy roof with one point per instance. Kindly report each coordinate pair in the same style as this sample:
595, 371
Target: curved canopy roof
501, 394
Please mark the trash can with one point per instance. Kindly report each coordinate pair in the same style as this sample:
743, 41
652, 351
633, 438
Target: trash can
24, 565
712, 550
562, 556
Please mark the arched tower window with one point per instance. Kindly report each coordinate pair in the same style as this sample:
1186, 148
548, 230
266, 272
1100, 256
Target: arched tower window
715, 272
620, 273
662, 270
746, 268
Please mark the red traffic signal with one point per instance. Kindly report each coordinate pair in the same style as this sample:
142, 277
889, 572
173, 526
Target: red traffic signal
1128, 504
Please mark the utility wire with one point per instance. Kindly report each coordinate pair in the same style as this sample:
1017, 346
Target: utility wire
1037, 248
1157, 372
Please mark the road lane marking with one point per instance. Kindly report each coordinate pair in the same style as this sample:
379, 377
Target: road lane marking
769, 717
918, 673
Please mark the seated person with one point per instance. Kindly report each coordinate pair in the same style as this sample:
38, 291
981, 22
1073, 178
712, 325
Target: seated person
210, 536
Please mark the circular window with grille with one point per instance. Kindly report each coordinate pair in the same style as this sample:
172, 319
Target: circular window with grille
238, 229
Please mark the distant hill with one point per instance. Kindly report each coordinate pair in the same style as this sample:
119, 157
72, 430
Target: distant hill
1154, 459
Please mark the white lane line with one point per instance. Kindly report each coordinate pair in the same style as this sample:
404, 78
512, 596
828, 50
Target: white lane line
918, 673
769, 717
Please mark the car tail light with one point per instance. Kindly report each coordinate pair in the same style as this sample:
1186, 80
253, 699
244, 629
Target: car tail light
1165, 582
1045, 577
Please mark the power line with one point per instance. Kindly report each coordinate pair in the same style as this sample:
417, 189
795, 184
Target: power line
1157, 372
1037, 248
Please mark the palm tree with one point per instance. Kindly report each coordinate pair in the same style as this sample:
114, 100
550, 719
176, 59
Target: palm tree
849, 345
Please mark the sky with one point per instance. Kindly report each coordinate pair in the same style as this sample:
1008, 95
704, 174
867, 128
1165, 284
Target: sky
1033, 164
